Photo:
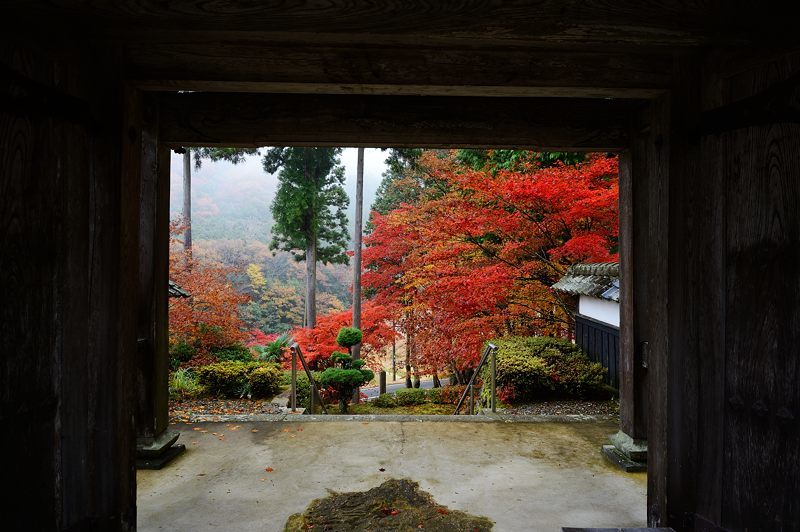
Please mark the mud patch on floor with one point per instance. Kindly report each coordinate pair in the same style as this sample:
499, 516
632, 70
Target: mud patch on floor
397, 505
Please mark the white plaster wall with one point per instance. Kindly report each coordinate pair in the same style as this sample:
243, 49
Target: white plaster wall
599, 309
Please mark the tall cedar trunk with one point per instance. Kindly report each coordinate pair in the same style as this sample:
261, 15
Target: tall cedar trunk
311, 282
408, 361
394, 356
187, 199
357, 249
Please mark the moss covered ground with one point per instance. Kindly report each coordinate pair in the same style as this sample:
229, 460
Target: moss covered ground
396, 505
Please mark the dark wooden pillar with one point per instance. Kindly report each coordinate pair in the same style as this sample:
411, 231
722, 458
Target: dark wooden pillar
67, 338
629, 449
636, 231
723, 296
154, 442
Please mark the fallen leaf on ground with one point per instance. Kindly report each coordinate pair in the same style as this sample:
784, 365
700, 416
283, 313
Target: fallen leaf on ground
269, 470
443, 511
254, 430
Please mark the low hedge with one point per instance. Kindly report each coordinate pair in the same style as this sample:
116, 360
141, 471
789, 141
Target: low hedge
410, 396
448, 395
385, 400
537, 367
236, 352
239, 379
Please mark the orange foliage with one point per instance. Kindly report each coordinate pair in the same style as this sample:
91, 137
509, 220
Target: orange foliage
209, 317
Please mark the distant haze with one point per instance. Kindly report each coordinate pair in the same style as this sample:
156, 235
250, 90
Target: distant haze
233, 201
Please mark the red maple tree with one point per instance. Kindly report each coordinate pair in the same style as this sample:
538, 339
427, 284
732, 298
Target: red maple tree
319, 342
476, 257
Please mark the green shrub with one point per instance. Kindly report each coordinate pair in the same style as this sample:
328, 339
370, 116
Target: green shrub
574, 374
344, 379
410, 396
180, 352
274, 351
434, 395
234, 379
449, 395
530, 368
236, 352
265, 381
183, 384
348, 337
384, 400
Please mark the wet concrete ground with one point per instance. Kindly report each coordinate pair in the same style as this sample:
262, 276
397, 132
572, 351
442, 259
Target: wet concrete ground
523, 476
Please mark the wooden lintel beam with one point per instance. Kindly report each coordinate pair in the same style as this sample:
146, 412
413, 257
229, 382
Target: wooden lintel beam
247, 64
236, 119
411, 21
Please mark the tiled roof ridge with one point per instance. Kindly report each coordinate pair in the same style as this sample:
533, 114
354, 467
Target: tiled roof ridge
605, 269
596, 279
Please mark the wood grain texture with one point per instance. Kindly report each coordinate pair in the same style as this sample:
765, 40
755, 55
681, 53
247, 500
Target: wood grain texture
279, 119
628, 21
654, 160
762, 423
32, 296
634, 213
248, 65
61, 391
146, 120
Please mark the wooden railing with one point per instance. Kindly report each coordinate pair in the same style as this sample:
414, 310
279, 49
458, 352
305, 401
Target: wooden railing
491, 351
315, 396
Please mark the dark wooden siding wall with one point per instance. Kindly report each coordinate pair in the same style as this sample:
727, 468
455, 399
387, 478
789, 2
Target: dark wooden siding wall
65, 402
601, 343
723, 318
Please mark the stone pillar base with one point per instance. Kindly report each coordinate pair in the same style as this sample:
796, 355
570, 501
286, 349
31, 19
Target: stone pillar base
155, 453
628, 454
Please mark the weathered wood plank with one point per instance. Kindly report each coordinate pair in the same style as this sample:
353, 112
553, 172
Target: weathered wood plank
268, 119
148, 287
762, 432
250, 65
652, 156
61, 394
625, 21
30, 329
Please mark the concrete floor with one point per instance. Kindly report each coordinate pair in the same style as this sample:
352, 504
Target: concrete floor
523, 476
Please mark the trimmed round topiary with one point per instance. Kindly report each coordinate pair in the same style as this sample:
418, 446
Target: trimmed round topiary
348, 337
344, 379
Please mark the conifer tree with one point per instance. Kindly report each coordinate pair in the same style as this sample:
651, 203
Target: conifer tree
309, 210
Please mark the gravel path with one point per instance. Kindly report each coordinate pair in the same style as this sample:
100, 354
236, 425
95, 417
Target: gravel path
191, 410
182, 410
564, 408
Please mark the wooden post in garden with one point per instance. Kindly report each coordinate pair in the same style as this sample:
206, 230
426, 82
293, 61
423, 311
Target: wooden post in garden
471, 399
313, 397
382, 382
494, 380
293, 397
